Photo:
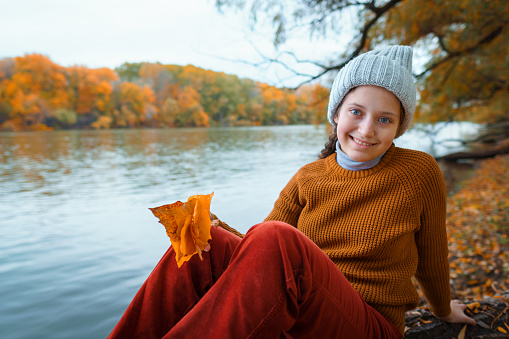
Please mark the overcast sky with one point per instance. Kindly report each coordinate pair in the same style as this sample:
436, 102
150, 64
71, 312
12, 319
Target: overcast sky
107, 33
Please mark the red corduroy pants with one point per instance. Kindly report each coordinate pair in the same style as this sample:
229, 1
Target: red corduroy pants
274, 281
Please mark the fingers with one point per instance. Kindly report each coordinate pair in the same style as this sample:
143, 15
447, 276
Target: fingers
462, 317
458, 302
470, 321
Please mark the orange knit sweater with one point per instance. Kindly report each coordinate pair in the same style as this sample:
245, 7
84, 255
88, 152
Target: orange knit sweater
380, 226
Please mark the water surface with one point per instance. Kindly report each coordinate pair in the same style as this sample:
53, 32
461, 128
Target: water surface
77, 238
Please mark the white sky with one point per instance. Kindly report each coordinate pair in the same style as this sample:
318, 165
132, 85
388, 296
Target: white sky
107, 33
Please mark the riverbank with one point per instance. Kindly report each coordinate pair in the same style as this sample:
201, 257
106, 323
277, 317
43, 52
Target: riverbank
478, 228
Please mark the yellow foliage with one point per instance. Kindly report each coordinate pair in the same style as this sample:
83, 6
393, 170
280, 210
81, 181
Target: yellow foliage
187, 225
478, 223
103, 122
34, 91
468, 44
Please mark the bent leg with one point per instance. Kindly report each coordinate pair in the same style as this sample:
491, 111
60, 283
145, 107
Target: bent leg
170, 292
279, 281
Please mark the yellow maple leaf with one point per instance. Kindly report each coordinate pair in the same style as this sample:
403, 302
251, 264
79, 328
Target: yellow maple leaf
187, 225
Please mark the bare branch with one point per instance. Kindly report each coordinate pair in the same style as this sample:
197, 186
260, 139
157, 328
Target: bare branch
488, 38
378, 12
441, 43
303, 61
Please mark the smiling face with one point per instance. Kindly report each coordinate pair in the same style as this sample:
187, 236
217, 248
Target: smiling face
367, 120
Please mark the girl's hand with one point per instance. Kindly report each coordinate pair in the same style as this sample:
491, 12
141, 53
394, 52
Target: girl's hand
458, 315
214, 221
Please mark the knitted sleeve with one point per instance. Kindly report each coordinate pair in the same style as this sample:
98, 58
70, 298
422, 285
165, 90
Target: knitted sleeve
227, 227
287, 207
214, 221
431, 239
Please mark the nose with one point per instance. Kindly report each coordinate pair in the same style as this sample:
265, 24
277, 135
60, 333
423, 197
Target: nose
367, 128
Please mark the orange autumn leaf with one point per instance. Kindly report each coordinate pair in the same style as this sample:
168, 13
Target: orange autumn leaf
462, 332
187, 225
473, 305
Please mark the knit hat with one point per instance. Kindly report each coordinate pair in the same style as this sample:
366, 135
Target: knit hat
390, 68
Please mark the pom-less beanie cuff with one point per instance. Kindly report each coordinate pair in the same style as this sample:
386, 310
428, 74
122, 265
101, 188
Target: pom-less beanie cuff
390, 68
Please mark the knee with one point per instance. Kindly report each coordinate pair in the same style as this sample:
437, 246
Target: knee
271, 230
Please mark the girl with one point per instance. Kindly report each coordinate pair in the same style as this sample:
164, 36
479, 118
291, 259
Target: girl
335, 256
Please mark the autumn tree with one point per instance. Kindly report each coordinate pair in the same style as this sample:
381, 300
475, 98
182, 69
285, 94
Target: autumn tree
33, 89
316, 98
177, 97
132, 102
190, 111
38, 94
7, 66
91, 92
461, 46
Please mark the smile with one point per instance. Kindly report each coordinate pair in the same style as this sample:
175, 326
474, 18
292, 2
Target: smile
360, 142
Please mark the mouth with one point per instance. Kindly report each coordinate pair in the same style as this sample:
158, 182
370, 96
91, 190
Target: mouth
360, 142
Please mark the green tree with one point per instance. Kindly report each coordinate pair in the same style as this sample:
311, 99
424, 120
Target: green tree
129, 71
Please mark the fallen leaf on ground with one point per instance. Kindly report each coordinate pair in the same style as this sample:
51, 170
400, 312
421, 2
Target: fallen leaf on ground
462, 332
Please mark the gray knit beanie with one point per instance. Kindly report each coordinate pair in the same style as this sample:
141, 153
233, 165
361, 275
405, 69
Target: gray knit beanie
390, 68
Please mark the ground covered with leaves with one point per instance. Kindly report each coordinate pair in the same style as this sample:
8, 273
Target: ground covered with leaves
491, 315
478, 228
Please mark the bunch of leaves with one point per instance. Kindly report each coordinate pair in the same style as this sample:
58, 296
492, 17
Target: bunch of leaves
188, 225
478, 227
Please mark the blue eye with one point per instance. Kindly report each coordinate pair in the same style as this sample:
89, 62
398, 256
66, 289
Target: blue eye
385, 120
355, 111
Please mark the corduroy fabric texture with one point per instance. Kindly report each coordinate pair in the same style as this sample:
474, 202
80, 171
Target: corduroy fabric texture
275, 280
390, 68
380, 226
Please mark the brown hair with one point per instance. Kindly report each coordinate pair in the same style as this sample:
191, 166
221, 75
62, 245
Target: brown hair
330, 145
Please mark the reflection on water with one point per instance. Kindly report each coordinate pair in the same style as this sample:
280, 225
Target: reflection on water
77, 236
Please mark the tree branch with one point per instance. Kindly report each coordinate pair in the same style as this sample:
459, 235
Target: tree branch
488, 38
379, 12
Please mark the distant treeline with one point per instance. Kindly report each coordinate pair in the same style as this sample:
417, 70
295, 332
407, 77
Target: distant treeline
38, 94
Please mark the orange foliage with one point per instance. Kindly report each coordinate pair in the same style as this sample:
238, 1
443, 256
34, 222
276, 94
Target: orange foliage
91, 88
478, 228
187, 225
36, 93
36, 88
103, 122
131, 104
467, 42
317, 97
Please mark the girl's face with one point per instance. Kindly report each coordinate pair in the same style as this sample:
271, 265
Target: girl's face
367, 120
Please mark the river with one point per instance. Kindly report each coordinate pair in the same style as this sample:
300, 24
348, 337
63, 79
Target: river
77, 238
